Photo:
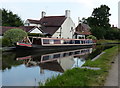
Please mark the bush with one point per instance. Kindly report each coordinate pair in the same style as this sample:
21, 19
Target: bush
91, 37
12, 36
6, 42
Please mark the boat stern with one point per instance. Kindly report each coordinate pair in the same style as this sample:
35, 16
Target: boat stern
23, 44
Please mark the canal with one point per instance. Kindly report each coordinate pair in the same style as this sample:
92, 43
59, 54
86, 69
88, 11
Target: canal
27, 68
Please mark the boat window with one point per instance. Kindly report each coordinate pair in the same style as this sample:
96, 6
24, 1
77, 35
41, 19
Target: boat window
82, 42
46, 41
56, 56
65, 54
67, 41
71, 53
77, 41
77, 52
57, 41
45, 57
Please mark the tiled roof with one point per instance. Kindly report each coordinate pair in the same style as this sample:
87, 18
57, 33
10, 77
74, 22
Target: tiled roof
27, 28
50, 30
50, 24
34, 21
52, 21
3, 29
83, 33
83, 29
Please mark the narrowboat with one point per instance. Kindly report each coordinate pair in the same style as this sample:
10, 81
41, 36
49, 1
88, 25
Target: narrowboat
47, 43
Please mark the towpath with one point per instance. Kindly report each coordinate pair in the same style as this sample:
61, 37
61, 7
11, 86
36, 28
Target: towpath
113, 76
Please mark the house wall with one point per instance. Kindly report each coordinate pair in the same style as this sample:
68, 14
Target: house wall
65, 29
36, 30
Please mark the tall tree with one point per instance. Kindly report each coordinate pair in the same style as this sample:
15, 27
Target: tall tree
10, 19
99, 21
100, 17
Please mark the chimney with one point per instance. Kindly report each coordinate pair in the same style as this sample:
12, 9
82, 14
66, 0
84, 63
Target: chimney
43, 14
67, 13
79, 20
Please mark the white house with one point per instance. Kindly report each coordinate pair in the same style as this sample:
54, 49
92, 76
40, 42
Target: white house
56, 26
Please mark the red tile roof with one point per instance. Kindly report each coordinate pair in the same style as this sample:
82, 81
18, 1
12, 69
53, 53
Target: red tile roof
83, 29
34, 21
50, 30
3, 29
52, 21
83, 33
50, 24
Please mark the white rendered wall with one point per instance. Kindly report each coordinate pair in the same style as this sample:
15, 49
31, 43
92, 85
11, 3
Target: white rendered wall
36, 30
65, 29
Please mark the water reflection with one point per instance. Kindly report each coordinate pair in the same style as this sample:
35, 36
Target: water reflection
19, 70
60, 61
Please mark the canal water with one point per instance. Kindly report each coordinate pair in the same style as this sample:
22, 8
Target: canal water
31, 68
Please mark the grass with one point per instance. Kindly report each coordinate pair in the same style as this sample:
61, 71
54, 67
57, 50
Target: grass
102, 41
86, 77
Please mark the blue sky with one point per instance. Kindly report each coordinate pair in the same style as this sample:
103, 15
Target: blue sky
79, 8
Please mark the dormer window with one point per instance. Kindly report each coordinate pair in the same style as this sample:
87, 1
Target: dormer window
44, 23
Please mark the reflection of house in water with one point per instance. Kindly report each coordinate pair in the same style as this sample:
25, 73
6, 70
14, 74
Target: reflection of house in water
60, 61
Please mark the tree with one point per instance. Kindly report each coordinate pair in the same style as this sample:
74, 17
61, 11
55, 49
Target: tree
98, 32
13, 35
99, 21
101, 16
10, 19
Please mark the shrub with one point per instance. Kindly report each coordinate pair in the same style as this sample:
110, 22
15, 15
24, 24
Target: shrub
6, 42
91, 37
12, 36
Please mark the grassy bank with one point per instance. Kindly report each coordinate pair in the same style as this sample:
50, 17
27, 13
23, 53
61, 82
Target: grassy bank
107, 41
86, 77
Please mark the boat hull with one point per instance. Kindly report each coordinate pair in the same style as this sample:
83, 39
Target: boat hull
59, 47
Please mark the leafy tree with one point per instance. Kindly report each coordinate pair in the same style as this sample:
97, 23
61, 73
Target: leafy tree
98, 32
13, 35
99, 21
100, 17
10, 19
113, 33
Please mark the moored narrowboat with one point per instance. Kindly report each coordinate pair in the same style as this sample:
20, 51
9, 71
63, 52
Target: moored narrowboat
40, 42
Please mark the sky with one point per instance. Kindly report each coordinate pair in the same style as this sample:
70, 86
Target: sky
31, 9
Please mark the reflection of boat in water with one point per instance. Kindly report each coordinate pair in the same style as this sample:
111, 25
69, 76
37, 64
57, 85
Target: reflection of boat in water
47, 43
59, 61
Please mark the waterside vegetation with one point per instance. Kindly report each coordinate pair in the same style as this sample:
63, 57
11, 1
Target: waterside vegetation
87, 77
